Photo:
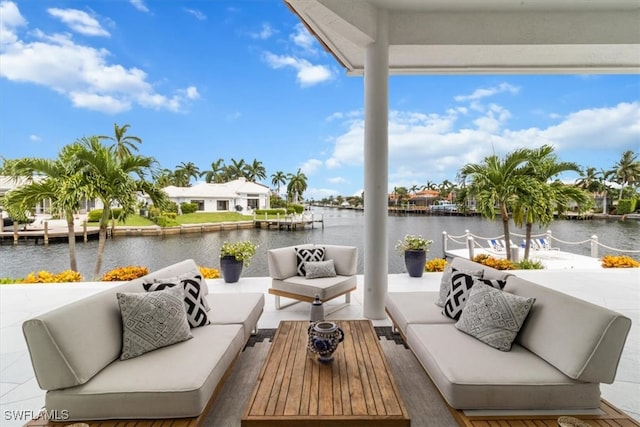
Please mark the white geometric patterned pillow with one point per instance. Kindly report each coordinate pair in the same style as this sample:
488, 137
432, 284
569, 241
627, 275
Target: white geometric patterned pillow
461, 284
494, 316
305, 255
151, 320
193, 300
445, 282
318, 269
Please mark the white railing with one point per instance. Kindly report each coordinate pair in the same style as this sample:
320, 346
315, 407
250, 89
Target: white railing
470, 241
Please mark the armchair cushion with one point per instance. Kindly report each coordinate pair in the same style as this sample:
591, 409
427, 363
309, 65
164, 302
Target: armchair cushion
304, 255
319, 269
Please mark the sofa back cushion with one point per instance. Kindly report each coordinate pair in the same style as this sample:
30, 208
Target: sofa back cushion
283, 262
72, 343
582, 340
489, 273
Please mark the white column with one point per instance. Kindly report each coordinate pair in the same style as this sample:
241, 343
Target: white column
376, 155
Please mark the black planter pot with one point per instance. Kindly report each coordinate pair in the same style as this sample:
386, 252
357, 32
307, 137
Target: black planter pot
415, 262
231, 268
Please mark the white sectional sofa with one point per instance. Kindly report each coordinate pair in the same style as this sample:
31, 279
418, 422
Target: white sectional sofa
75, 351
564, 350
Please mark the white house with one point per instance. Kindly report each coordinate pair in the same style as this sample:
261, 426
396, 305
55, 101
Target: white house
240, 195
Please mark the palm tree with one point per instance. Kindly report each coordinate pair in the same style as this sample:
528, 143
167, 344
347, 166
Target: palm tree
60, 181
277, 179
237, 169
123, 144
541, 197
495, 182
297, 185
115, 182
593, 181
185, 171
255, 171
215, 174
626, 171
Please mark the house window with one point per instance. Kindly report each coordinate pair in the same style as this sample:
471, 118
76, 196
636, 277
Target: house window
199, 203
253, 203
223, 205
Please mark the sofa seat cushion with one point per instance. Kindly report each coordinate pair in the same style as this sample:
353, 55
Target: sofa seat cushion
326, 287
171, 382
472, 375
414, 307
236, 308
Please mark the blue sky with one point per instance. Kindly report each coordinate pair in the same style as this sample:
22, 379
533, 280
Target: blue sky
202, 80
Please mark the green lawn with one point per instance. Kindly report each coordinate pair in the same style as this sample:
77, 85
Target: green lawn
192, 218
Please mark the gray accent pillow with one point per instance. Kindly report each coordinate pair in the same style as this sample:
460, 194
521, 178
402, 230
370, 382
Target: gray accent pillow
151, 320
494, 316
315, 270
194, 302
445, 282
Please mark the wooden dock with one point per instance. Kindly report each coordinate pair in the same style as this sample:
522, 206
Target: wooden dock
289, 222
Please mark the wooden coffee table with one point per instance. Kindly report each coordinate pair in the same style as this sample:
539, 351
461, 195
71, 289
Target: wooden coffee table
357, 389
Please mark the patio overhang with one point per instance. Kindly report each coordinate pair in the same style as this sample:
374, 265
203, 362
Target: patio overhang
376, 38
481, 37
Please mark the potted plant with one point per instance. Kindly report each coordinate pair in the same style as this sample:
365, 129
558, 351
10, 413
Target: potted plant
414, 248
233, 256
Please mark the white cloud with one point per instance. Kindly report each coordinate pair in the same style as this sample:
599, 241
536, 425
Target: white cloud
79, 21
198, 14
35, 138
435, 146
483, 93
265, 32
234, 116
10, 21
337, 180
80, 72
301, 38
311, 166
307, 73
140, 5
320, 193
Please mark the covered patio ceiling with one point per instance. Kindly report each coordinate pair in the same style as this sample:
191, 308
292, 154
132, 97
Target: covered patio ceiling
481, 36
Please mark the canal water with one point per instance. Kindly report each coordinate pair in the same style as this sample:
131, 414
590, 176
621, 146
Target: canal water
344, 227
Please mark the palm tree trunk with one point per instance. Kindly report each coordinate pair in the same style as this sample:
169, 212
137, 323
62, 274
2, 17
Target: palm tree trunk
102, 239
73, 263
527, 240
505, 227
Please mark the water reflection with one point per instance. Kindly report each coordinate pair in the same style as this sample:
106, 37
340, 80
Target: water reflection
344, 227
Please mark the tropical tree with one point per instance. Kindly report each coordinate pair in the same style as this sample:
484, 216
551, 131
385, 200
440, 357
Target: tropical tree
594, 182
278, 179
184, 172
60, 181
626, 171
123, 144
115, 182
297, 186
216, 173
494, 184
445, 188
237, 169
430, 186
164, 178
255, 171
414, 189
543, 196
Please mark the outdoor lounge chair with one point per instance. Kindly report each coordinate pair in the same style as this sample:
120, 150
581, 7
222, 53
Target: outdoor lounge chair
496, 245
545, 245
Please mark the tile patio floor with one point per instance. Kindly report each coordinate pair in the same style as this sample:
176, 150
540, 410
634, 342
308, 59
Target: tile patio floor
21, 399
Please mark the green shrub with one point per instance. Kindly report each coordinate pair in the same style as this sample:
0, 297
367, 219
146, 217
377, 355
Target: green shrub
626, 206
171, 207
529, 264
163, 221
270, 211
171, 215
188, 208
94, 215
154, 213
296, 208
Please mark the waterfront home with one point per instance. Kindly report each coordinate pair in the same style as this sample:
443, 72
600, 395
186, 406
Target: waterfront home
237, 195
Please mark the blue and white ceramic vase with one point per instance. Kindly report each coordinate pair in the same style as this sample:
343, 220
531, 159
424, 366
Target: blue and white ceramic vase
324, 338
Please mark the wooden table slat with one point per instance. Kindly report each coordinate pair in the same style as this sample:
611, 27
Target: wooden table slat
295, 389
